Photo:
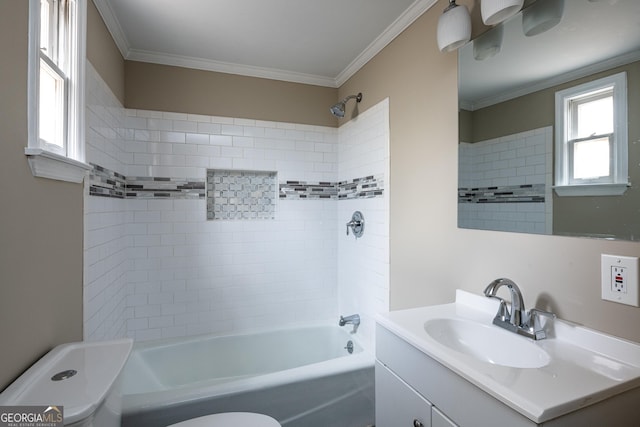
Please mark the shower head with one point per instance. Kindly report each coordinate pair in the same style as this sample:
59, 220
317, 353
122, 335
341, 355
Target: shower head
338, 109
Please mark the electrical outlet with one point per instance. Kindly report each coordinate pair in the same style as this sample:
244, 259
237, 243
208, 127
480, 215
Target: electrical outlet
620, 279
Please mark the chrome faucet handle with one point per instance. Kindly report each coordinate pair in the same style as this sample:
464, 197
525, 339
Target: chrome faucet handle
542, 312
534, 322
356, 224
503, 311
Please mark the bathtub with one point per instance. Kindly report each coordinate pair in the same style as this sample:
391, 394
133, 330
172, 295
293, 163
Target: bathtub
302, 377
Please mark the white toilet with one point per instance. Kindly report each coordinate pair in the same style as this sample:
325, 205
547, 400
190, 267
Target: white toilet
81, 377
84, 379
230, 419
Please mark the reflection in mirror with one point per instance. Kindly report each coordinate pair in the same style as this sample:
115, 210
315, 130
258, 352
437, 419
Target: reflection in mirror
507, 118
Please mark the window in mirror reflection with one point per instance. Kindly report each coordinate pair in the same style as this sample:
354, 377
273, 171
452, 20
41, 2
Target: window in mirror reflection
591, 142
593, 113
591, 159
591, 133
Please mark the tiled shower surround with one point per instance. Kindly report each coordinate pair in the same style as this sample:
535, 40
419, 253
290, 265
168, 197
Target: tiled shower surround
505, 183
155, 267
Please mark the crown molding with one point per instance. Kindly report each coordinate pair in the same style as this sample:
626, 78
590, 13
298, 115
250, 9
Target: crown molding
398, 26
110, 20
228, 68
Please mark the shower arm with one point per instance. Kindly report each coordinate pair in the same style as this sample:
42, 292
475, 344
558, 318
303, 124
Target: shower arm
338, 108
357, 97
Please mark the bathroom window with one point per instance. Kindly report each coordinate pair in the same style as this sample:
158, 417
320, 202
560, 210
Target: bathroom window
591, 138
56, 89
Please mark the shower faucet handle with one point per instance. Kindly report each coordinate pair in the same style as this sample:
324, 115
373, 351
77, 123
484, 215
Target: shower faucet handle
352, 224
356, 224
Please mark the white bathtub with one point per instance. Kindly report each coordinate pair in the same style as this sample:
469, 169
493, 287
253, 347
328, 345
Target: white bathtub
302, 377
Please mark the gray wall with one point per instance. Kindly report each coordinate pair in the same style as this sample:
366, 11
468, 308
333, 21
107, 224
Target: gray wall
40, 226
183, 90
103, 53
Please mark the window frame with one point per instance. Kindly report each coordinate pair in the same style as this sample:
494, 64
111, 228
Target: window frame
46, 160
617, 182
59, 144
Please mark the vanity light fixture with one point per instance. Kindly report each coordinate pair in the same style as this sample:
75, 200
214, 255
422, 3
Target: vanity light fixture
541, 16
495, 11
488, 44
454, 27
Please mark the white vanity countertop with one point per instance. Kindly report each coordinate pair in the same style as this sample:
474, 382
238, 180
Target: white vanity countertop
585, 366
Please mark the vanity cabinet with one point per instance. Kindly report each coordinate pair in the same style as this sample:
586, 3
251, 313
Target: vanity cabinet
438, 419
397, 404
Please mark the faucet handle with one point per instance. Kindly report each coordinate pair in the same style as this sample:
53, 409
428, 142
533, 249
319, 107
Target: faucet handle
534, 322
503, 311
356, 224
542, 313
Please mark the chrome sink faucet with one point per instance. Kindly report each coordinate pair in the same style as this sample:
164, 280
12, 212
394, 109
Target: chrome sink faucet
513, 316
516, 319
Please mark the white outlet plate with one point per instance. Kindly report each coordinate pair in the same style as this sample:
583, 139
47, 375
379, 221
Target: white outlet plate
620, 279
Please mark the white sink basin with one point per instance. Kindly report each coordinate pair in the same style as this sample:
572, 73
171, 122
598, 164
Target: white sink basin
572, 368
487, 343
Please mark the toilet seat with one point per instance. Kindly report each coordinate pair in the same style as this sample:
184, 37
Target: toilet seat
230, 419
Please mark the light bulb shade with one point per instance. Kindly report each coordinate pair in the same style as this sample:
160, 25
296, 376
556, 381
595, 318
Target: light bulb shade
542, 16
495, 11
454, 28
488, 44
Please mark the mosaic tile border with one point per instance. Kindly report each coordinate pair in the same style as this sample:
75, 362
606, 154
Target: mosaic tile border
529, 193
362, 188
358, 188
141, 187
307, 190
104, 182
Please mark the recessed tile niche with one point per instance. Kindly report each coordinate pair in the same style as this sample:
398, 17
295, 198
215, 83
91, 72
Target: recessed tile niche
241, 195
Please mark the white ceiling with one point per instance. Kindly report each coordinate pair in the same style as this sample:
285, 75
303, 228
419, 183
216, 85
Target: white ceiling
320, 42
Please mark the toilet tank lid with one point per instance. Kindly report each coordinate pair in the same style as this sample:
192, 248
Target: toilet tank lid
96, 365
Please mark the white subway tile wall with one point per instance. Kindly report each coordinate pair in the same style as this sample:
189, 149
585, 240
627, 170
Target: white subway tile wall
363, 264
106, 237
178, 274
520, 159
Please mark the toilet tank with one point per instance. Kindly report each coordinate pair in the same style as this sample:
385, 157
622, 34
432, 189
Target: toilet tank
81, 377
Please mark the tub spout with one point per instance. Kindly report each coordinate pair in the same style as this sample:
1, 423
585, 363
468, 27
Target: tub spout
354, 320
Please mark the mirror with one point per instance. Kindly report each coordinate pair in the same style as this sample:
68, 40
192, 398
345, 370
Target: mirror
507, 115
